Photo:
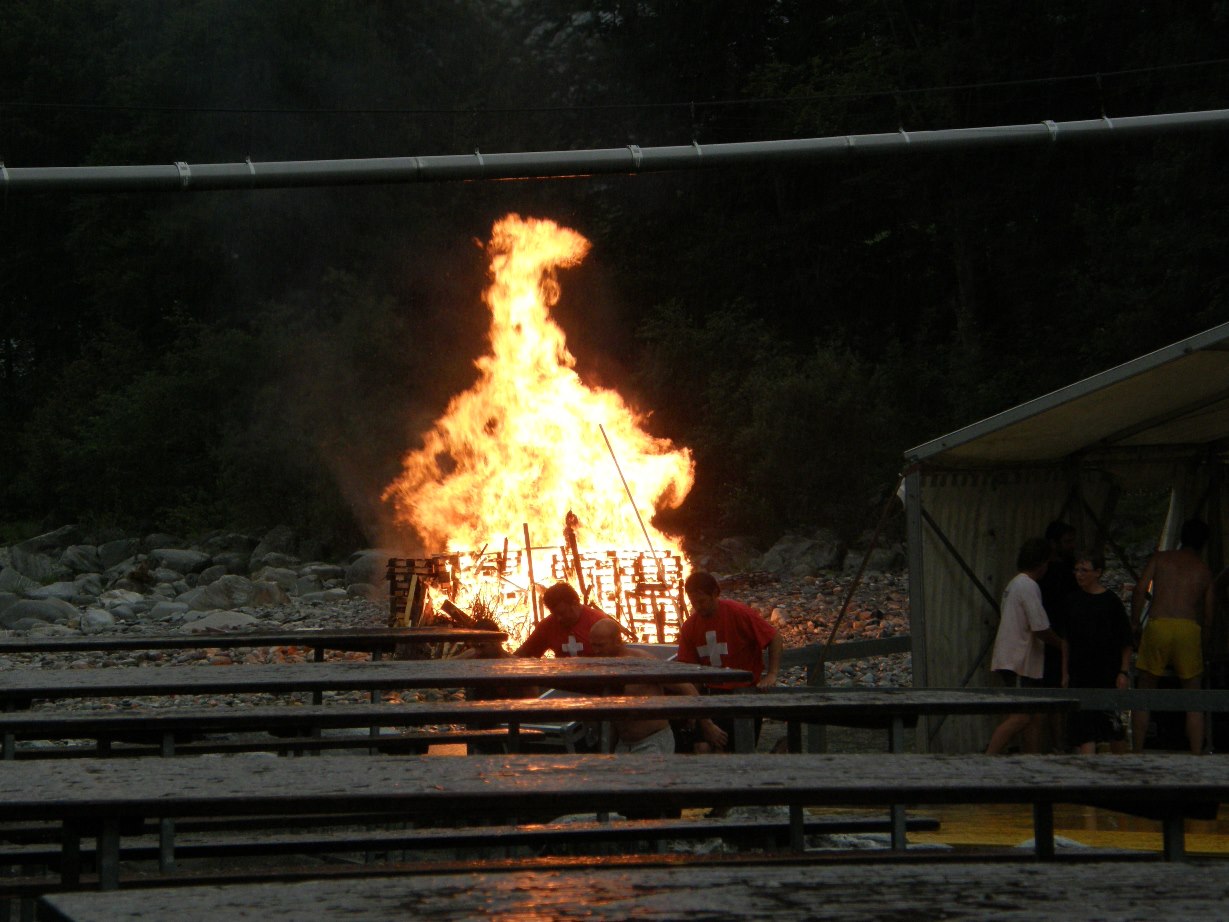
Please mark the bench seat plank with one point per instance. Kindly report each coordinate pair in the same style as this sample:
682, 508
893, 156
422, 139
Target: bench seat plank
1010, 892
879, 708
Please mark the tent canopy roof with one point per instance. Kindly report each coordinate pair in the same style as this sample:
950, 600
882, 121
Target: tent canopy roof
1177, 396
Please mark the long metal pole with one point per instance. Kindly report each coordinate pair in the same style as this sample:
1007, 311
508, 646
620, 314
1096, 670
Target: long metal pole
631, 499
187, 177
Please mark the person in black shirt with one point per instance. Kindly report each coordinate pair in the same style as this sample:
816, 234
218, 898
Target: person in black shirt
1097, 654
1057, 585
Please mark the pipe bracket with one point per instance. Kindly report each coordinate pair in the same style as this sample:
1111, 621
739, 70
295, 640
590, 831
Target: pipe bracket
1052, 126
185, 174
637, 155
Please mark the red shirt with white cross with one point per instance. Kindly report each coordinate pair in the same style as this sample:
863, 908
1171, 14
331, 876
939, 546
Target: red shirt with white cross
734, 636
565, 640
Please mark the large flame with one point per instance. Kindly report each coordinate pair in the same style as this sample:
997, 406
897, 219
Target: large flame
525, 444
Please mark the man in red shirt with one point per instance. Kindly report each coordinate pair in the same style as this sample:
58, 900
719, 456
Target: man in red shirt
566, 629
722, 632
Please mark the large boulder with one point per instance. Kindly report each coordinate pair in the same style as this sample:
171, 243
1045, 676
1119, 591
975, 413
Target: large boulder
161, 539
114, 598
232, 591
82, 558
369, 566
281, 541
50, 611
803, 555
113, 553
228, 542
53, 542
181, 560
232, 561
12, 581
40, 567
65, 590
881, 560
283, 576
8, 600
89, 584
97, 621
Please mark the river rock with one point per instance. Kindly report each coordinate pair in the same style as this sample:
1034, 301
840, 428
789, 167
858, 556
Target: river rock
180, 560
37, 566
47, 610
53, 541
161, 539
210, 574
65, 590
12, 581
800, 555
283, 576
233, 591
164, 610
114, 553
97, 621
219, 621
82, 558
232, 561
369, 566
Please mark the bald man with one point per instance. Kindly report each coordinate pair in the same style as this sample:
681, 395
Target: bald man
643, 735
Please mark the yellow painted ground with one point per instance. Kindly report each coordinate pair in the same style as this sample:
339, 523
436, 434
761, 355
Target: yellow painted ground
1011, 825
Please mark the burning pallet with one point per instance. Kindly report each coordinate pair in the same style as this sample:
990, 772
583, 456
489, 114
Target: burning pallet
642, 591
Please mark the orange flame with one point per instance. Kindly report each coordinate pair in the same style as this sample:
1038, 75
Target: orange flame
525, 444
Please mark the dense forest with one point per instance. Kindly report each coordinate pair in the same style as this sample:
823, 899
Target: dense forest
244, 359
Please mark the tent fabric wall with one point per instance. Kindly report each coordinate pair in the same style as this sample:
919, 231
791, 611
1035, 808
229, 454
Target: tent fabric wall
986, 516
1156, 424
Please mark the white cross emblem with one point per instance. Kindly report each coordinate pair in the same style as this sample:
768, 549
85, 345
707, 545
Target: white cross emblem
573, 646
712, 649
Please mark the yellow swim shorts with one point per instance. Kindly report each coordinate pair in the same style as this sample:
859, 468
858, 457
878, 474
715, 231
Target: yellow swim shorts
1172, 642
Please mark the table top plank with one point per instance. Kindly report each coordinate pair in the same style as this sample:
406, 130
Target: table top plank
1015, 892
355, 639
583, 673
560, 784
879, 707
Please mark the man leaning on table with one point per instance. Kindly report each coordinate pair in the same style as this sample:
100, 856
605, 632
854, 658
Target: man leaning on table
722, 632
565, 631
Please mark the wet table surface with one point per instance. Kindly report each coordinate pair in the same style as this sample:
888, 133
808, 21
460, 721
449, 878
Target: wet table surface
583, 674
877, 707
1013, 892
584, 783
380, 640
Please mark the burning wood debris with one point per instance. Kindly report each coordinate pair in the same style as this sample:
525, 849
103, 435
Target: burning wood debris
531, 446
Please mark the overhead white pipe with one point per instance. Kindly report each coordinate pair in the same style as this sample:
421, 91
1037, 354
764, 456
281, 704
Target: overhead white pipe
185, 177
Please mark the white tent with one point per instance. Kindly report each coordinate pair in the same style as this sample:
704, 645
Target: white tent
1159, 422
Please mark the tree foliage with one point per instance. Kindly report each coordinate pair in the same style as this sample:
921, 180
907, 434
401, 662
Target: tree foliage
248, 358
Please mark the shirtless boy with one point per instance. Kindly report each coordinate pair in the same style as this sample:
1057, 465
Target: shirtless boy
1179, 620
645, 735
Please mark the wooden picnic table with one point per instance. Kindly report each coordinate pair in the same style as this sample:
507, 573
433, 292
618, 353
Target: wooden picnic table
892, 709
763, 890
20, 686
99, 794
365, 640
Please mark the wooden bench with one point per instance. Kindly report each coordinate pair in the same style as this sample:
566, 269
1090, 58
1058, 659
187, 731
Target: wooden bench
376, 641
695, 889
219, 840
97, 796
892, 709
